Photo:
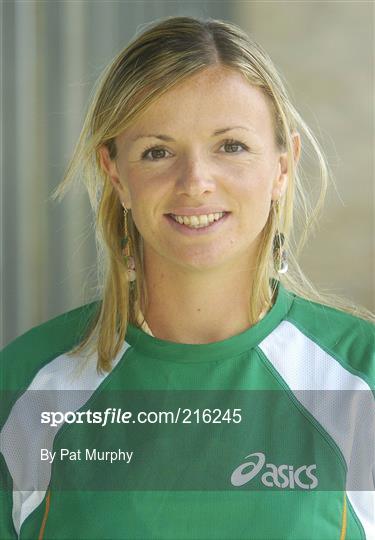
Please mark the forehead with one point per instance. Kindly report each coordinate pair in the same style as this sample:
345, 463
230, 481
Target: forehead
214, 98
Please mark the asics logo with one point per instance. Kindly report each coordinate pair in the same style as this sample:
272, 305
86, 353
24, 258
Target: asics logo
281, 476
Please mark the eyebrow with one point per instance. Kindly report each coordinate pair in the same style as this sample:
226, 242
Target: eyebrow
170, 139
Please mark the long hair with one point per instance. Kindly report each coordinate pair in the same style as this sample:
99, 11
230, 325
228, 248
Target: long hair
164, 54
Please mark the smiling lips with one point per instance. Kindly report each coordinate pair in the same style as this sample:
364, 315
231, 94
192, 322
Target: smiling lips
198, 221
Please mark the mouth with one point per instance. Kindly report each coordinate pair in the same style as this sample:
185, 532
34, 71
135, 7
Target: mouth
195, 225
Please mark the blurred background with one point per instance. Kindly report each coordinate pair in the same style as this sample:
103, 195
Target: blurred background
52, 53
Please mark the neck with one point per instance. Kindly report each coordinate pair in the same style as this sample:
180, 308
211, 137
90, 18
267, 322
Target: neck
197, 307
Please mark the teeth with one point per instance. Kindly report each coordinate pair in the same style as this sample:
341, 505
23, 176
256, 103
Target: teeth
203, 220
197, 222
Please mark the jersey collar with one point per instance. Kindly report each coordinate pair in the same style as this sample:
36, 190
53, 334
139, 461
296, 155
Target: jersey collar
182, 352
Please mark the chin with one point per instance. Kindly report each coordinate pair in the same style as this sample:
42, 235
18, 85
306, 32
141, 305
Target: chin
205, 260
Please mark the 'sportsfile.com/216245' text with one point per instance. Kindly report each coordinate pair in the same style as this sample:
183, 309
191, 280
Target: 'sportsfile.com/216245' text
114, 415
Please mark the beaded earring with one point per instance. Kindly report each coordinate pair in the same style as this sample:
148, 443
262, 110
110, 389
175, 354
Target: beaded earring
126, 248
280, 256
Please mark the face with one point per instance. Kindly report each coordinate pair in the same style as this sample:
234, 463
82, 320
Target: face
205, 147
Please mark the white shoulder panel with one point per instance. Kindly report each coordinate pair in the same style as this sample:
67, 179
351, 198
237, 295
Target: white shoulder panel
346, 411
64, 384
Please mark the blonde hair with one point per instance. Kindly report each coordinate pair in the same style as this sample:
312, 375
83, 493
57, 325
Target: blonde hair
165, 53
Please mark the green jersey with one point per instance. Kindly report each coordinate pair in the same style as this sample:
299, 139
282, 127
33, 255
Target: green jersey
268, 434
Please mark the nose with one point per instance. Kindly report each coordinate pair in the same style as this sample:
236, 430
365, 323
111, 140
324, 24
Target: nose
195, 177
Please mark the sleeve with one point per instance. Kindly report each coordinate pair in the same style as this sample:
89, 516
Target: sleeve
20, 361
7, 530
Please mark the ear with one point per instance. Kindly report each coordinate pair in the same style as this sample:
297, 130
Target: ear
281, 181
110, 168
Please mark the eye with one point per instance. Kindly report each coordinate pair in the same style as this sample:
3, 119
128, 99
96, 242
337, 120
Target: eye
232, 143
156, 153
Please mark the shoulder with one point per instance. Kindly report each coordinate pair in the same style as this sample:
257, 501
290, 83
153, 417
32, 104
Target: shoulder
347, 338
27, 354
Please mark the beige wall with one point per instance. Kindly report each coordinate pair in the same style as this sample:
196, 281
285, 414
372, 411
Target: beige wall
325, 51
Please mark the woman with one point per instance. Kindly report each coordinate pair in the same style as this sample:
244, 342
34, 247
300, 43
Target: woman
190, 154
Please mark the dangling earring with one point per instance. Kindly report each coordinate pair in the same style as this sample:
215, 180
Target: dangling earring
126, 250
280, 257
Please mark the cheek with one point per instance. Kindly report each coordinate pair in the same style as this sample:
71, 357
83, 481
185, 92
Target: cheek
253, 194
146, 196
253, 188
143, 182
